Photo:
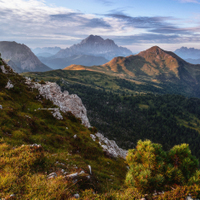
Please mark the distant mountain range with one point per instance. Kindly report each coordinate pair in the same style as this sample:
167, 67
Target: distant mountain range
46, 51
96, 46
193, 61
21, 58
191, 55
86, 60
93, 50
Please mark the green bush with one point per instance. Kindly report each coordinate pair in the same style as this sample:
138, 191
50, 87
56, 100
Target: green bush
152, 169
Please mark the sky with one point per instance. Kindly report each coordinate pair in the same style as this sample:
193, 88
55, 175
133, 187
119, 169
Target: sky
135, 24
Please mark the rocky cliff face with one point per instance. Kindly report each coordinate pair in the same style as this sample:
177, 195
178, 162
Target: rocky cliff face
74, 104
65, 101
96, 46
21, 58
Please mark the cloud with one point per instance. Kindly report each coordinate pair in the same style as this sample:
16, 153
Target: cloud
34, 23
154, 38
79, 18
151, 24
22, 20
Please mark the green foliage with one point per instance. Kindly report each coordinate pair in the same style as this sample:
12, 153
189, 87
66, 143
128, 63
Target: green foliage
122, 106
146, 164
152, 169
180, 192
42, 82
182, 165
24, 168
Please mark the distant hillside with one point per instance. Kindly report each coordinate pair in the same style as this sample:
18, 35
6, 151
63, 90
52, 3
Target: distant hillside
186, 53
153, 66
60, 63
46, 51
21, 58
193, 61
96, 46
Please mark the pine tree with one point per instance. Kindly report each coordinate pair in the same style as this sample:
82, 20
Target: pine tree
153, 169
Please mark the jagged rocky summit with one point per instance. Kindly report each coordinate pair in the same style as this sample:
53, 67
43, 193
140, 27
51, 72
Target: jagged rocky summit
74, 104
96, 46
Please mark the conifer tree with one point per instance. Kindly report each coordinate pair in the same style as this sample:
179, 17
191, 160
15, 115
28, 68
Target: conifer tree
153, 169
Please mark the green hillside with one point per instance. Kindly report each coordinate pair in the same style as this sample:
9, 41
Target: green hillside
33, 144
126, 112
45, 158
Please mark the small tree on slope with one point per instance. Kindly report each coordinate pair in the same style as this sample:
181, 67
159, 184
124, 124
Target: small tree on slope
151, 168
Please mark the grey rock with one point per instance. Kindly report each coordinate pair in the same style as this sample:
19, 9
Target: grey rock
65, 101
9, 85
111, 147
76, 196
52, 175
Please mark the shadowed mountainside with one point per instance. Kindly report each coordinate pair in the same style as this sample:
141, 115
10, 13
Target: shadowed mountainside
21, 58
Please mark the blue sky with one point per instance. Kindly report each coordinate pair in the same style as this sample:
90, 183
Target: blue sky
135, 24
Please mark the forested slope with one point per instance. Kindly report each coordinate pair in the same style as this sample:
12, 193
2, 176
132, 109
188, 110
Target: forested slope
126, 112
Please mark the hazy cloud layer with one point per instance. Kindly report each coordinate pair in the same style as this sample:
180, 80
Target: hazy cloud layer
152, 24
35, 23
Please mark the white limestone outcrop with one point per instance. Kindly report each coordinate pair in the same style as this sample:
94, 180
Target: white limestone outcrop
9, 85
3, 69
74, 104
110, 146
6, 70
65, 101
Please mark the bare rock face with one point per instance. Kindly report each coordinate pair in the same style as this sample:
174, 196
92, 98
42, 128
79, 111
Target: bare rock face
74, 104
65, 101
9, 85
109, 146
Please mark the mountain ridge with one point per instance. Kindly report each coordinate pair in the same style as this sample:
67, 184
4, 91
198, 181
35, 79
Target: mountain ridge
96, 46
153, 64
188, 53
22, 57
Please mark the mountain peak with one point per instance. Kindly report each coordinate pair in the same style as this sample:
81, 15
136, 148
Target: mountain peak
153, 53
96, 46
155, 49
92, 39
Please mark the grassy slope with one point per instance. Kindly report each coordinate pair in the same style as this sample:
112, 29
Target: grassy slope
115, 110
108, 83
24, 168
